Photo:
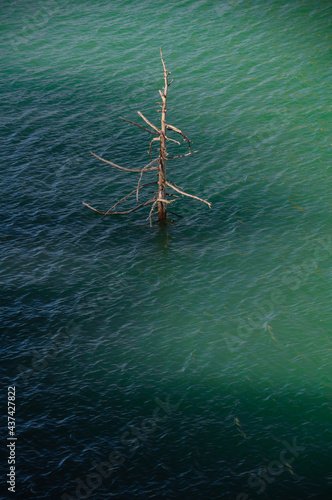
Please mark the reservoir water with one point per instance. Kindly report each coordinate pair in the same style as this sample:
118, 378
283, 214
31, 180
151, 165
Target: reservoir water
183, 362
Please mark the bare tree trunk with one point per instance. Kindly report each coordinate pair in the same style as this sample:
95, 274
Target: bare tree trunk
162, 207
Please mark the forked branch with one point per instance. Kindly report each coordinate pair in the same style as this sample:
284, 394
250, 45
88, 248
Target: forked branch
117, 203
179, 190
172, 140
149, 123
182, 156
151, 143
136, 170
137, 125
120, 213
170, 127
140, 178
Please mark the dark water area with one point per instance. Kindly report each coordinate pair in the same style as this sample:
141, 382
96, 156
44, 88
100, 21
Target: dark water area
181, 362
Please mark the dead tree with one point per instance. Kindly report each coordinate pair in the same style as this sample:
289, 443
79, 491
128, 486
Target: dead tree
157, 164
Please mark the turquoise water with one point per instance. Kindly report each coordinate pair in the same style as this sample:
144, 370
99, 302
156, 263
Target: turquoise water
192, 358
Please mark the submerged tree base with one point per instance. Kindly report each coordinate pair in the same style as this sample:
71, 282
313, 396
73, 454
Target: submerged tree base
157, 164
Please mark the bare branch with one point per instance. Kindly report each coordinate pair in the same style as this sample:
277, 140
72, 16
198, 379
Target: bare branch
127, 196
121, 213
140, 177
122, 199
165, 201
179, 190
151, 211
173, 140
94, 209
149, 123
137, 125
150, 148
174, 213
181, 156
162, 60
123, 168
151, 162
170, 127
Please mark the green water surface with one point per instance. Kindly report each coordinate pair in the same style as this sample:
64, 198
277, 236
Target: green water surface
224, 315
